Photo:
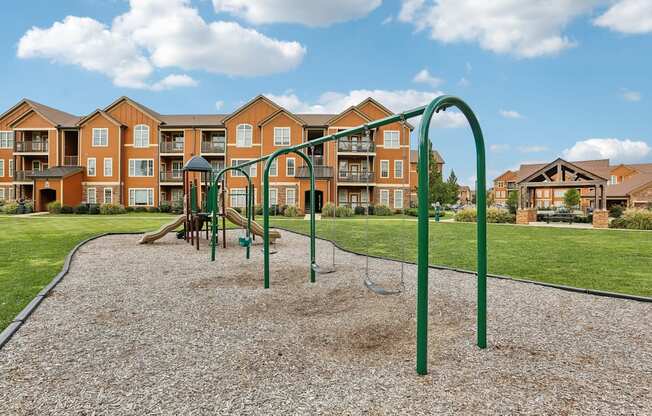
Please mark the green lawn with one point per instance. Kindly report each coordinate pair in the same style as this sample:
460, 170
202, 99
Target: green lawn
611, 260
34, 249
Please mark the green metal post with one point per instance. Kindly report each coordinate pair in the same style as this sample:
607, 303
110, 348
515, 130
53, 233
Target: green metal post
214, 204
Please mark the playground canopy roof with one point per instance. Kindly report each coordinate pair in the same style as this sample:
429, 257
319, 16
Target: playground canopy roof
197, 164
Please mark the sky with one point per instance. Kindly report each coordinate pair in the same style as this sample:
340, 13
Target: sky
547, 79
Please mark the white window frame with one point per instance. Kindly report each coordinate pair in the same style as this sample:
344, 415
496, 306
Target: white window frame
138, 135
88, 166
237, 174
613, 180
380, 199
2, 168
105, 199
6, 139
279, 139
398, 192
2, 194
241, 139
293, 192
89, 192
176, 195
106, 137
287, 167
109, 165
132, 169
273, 169
273, 196
398, 173
11, 168
389, 144
235, 194
384, 161
132, 197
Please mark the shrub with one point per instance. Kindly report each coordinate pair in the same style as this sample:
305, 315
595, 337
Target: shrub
112, 209
258, 210
28, 207
140, 209
634, 219
93, 209
291, 211
177, 207
382, 210
54, 207
359, 210
616, 211
10, 208
80, 209
129, 209
328, 210
497, 215
165, 207
66, 209
414, 212
153, 209
372, 209
343, 212
466, 215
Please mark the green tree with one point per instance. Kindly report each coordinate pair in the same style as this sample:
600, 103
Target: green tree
571, 198
512, 201
452, 188
490, 198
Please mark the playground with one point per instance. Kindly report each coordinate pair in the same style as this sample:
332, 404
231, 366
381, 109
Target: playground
156, 331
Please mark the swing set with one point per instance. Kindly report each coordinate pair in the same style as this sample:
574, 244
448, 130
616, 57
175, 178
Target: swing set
440, 103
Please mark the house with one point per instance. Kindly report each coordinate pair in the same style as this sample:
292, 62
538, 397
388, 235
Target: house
126, 153
464, 195
414, 181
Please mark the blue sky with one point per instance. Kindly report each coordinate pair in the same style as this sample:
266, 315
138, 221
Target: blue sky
572, 79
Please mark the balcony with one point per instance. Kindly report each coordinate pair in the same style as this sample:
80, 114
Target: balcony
213, 147
321, 172
71, 161
171, 177
349, 176
355, 146
23, 175
171, 147
29, 146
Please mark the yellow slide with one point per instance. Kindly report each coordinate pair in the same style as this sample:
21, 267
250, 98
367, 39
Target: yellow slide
161, 232
235, 217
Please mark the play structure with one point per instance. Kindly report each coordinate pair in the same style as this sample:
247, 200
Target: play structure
163, 231
200, 214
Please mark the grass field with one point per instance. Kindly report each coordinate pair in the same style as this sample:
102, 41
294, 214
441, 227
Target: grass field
34, 249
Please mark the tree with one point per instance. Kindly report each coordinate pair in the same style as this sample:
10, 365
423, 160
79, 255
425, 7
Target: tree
512, 201
571, 198
490, 198
452, 188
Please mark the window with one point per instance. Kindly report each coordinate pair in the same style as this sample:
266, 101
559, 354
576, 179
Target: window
251, 169
141, 167
36, 165
243, 135
108, 195
177, 195
384, 197
100, 137
398, 199
559, 192
238, 198
141, 197
289, 166
90, 167
273, 196
392, 139
178, 141
108, 166
281, 136
177, 169
11, 167
217, 164
546, 193
398, 169
2, 167
290, 196
613, 180
141, 136
273, 169
384, 168
91, 196
6, 139
2, 194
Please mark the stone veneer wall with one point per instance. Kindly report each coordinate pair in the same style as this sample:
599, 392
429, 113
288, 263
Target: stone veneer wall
526, 216
600, 219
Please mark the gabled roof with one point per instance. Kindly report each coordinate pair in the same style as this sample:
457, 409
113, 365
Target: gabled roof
15, 106
382, 108
99, 112
345, 112
250, 102
57, 172
630, 185
151, 113
588, 167
508, 173
282, 111
315, 120
193, 120
55, 117
414, 156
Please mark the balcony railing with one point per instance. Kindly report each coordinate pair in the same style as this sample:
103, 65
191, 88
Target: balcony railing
355, 146
23, 175
30, 146
355, 176
171, 147
213, 147
321, 172
174, 176
71, 161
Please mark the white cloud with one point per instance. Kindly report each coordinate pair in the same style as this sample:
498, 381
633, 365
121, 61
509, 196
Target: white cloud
631, 95
387, 20
499, 147
628, 16
395, 100
424, 77
510, 114
615, 149
174, 81
310, 13
219, 104
532, 149
524, 28
155, 34
464, 82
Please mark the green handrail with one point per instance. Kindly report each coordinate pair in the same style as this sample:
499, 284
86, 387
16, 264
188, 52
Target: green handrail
268, 165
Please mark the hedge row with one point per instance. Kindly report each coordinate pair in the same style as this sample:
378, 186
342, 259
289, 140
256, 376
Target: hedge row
634, 219
494, 215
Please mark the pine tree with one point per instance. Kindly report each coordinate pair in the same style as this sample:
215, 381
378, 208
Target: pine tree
452, 188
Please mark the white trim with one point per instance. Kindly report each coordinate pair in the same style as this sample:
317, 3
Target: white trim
294, 162
94, 193
396, 191
279, 144
13, 138
2, 193
107, 159
238, 193
397, 170
398, 145
294, 190
129, 172
244, 145
2, 168
144, 147
104, 195
34, 128
275, 165
93, 137
135, 130
284, 183
380, 169
88, 170
100, 183
380, 196
150, 193
235, 145
395, 185
10, 168
273, 201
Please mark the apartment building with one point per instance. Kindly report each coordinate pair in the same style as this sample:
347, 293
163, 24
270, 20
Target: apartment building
127, 153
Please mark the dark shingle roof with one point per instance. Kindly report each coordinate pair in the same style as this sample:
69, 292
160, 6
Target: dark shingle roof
414, 156
193, 120
57, 172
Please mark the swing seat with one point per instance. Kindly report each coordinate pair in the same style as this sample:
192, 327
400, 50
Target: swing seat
322, 270
244, 241
379, 290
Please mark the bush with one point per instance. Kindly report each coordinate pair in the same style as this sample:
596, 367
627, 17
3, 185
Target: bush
140, 209
258, 210
177, 207
343, 212
371, 209
414, 212
112, 209
66, 209
165, 207
466, 215
10, 208
328, 210
616, 211
382, 211
54, 207
153, 209
80, 209
129, 209
291, 211
93, 209
359, 210
28, 207
634, 219
503, 216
